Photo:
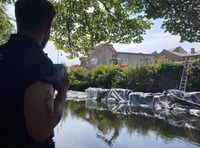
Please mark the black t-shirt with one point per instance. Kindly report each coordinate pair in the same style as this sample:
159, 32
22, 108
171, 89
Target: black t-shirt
22, 62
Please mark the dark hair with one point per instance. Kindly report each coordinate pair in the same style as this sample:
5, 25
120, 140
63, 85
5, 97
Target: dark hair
34, 14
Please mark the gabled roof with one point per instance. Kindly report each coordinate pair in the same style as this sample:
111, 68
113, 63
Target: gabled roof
155, 53
180, 54
178, 50
102, 47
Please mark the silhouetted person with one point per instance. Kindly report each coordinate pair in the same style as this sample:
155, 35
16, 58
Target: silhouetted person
29, 107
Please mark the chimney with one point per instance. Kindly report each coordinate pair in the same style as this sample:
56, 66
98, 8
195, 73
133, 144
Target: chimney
192, 50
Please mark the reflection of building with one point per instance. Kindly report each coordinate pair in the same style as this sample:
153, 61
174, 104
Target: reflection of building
106, 54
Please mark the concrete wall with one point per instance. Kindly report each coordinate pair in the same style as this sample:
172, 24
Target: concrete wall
136, 58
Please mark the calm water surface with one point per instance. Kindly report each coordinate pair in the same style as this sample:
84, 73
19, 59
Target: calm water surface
83, 127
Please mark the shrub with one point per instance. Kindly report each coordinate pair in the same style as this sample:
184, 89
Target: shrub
78, 78
103, 75
158, 77
166, 75
194, 77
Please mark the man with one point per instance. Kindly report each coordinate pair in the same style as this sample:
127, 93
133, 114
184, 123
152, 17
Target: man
29, 111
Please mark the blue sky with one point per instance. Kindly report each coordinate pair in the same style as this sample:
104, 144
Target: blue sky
154, 40
157, 40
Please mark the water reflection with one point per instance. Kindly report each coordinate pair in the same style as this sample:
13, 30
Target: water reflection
109, 126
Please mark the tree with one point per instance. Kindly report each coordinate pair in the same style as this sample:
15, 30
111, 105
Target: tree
81, 25
181, 17
5, 25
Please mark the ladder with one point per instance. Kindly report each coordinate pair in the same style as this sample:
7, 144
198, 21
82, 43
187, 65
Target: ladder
183, 82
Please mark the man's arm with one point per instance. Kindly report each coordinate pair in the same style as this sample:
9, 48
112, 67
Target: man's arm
42, 111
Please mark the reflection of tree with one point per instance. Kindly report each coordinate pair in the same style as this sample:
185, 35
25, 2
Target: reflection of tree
164, 130
109, 141
108, 123
64, 117
103, 131
103, 121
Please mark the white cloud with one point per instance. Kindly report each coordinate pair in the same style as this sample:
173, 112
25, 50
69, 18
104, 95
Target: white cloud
156, 42
58, 56
157, 39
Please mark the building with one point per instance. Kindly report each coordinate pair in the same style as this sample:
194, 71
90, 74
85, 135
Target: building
106, 54
102, 54
136, 58
178, 54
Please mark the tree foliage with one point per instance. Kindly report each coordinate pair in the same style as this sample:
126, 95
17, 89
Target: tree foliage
81, 25
5, 25
7, 1
181, 17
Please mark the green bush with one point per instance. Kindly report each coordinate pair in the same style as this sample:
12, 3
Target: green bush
103, 75
166, 76
78, 78
158, 77
194, 76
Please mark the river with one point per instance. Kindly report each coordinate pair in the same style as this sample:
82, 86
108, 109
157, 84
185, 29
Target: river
91, 125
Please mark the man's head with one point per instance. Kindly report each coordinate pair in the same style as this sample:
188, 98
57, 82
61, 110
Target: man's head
34, 15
